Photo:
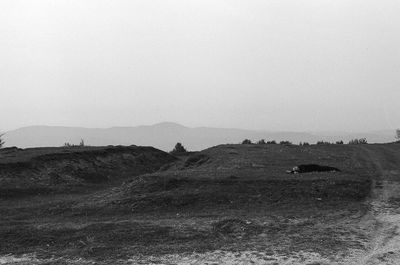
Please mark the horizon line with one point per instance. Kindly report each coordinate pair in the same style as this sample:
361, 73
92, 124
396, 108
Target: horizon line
199, 127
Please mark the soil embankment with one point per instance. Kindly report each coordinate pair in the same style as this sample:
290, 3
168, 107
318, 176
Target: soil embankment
25, 172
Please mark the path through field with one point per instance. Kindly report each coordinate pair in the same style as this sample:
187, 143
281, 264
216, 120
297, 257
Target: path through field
384, 248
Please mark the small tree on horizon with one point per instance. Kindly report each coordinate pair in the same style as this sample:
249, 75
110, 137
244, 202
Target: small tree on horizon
358, 141
1, 140
178, 149
246, 141
363, 141
397, 135
262, 141
323, 143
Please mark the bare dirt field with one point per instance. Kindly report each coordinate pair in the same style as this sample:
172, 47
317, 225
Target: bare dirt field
230, 204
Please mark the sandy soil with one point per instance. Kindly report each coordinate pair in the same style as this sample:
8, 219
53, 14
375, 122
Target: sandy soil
383, 249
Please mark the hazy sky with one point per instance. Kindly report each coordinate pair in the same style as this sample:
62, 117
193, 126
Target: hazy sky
298, 65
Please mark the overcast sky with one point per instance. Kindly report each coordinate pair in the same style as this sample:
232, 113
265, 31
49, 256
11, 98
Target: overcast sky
299, 65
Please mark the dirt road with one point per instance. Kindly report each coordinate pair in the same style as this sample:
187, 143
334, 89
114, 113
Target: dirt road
384, 247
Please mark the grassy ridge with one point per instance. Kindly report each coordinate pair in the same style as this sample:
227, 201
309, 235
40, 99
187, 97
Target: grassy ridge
26, 172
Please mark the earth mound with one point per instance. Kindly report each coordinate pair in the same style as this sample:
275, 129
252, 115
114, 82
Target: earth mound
233, 177
41, 170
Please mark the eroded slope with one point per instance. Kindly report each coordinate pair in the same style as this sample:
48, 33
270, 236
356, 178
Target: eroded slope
33, 171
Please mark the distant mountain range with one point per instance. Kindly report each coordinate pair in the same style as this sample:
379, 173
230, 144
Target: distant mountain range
165, 135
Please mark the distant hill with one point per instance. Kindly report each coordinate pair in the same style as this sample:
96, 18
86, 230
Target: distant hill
165, 135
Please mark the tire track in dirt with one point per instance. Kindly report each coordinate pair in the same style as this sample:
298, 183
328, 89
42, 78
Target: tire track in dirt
384, 248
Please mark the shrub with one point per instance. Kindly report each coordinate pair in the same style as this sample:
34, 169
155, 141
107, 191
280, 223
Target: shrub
178, 149
285, 142
397, 136
262, 141
339, 142
81, 143
362, 141
304, 144
247, 141
323, 143
271, 142
358, 141
353, 141
1, 140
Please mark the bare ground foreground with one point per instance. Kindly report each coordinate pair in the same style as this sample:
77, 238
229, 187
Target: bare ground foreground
230, 204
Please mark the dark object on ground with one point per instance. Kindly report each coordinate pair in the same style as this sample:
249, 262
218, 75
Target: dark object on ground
312, 168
